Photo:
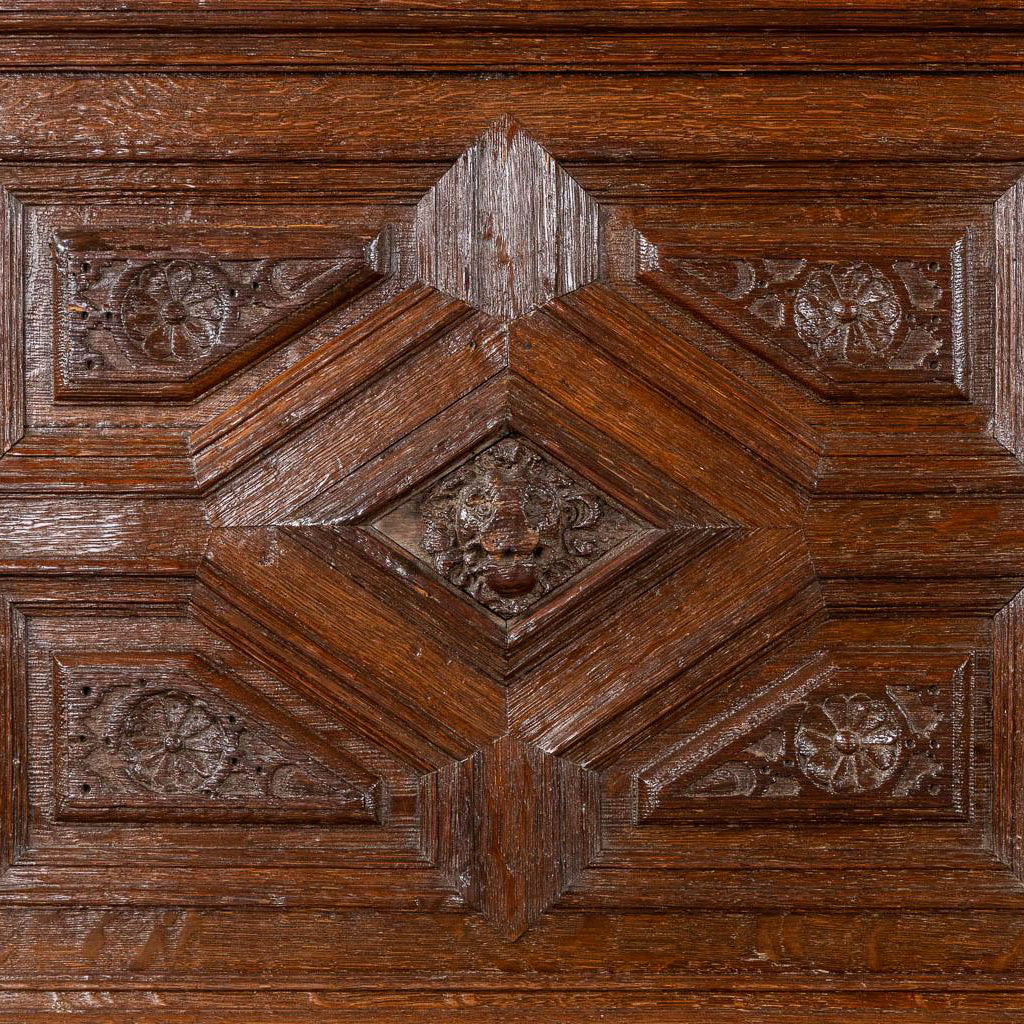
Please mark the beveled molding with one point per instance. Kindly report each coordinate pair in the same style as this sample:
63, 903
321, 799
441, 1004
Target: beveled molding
517, 519
915, 346
474, 37
901, 751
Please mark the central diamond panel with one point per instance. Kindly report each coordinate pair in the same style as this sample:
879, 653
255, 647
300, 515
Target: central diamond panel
509, 526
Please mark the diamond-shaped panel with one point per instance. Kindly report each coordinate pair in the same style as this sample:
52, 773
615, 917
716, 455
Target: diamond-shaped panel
509, 526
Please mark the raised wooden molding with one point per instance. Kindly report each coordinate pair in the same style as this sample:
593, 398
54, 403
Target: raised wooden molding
611, 555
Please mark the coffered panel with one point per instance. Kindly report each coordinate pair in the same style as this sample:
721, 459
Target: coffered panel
509, 535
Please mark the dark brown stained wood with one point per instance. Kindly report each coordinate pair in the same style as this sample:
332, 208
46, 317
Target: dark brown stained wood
678, 441
909, 327
678, 118
694, 380
269, 577
291, 42
1007, 841
506, 229
150, 324
513, 858
324, 378
778, 759
106, 535
314, 462
140, 735
659, 14
511, 511
695, 612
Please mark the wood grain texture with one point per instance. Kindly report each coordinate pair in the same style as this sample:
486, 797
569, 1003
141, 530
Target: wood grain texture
506, 229
676, 118
168, 325
510, 511
559, 42
514, 858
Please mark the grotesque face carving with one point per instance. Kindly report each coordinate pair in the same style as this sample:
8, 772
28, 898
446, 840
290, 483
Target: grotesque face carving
508, 526
503, 524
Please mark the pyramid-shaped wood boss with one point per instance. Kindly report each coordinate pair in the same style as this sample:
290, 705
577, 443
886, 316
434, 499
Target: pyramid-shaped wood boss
506, 229
503, 536
505, 525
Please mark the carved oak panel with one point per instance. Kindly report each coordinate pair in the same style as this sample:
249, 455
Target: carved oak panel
853, 735
152, 736
538, 550
150, 324
508, 527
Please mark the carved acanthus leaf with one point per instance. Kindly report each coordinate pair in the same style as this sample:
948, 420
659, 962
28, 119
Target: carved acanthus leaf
835, 314
835, 745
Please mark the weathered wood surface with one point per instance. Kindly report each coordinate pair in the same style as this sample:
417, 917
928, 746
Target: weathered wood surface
535, 539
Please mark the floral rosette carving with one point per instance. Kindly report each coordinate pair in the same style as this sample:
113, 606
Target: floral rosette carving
850, 743
848, 312
508, 527
841, 745
170, 742
175, 309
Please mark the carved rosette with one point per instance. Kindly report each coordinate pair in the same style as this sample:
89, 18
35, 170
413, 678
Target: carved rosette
175, 309
849, 743
142, 748
510, 526
840, 745
882, 315
171, 742
848, 313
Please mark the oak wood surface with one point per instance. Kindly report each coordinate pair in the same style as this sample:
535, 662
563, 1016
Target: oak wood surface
511, 511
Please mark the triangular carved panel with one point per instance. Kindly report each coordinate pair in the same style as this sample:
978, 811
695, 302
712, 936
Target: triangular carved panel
850, 738
167, 737
891, 316
160, 323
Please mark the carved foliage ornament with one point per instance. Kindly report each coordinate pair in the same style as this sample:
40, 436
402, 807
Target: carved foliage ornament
893, 315
839, 745
168, 325
178, 309
133, 746
510, 526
